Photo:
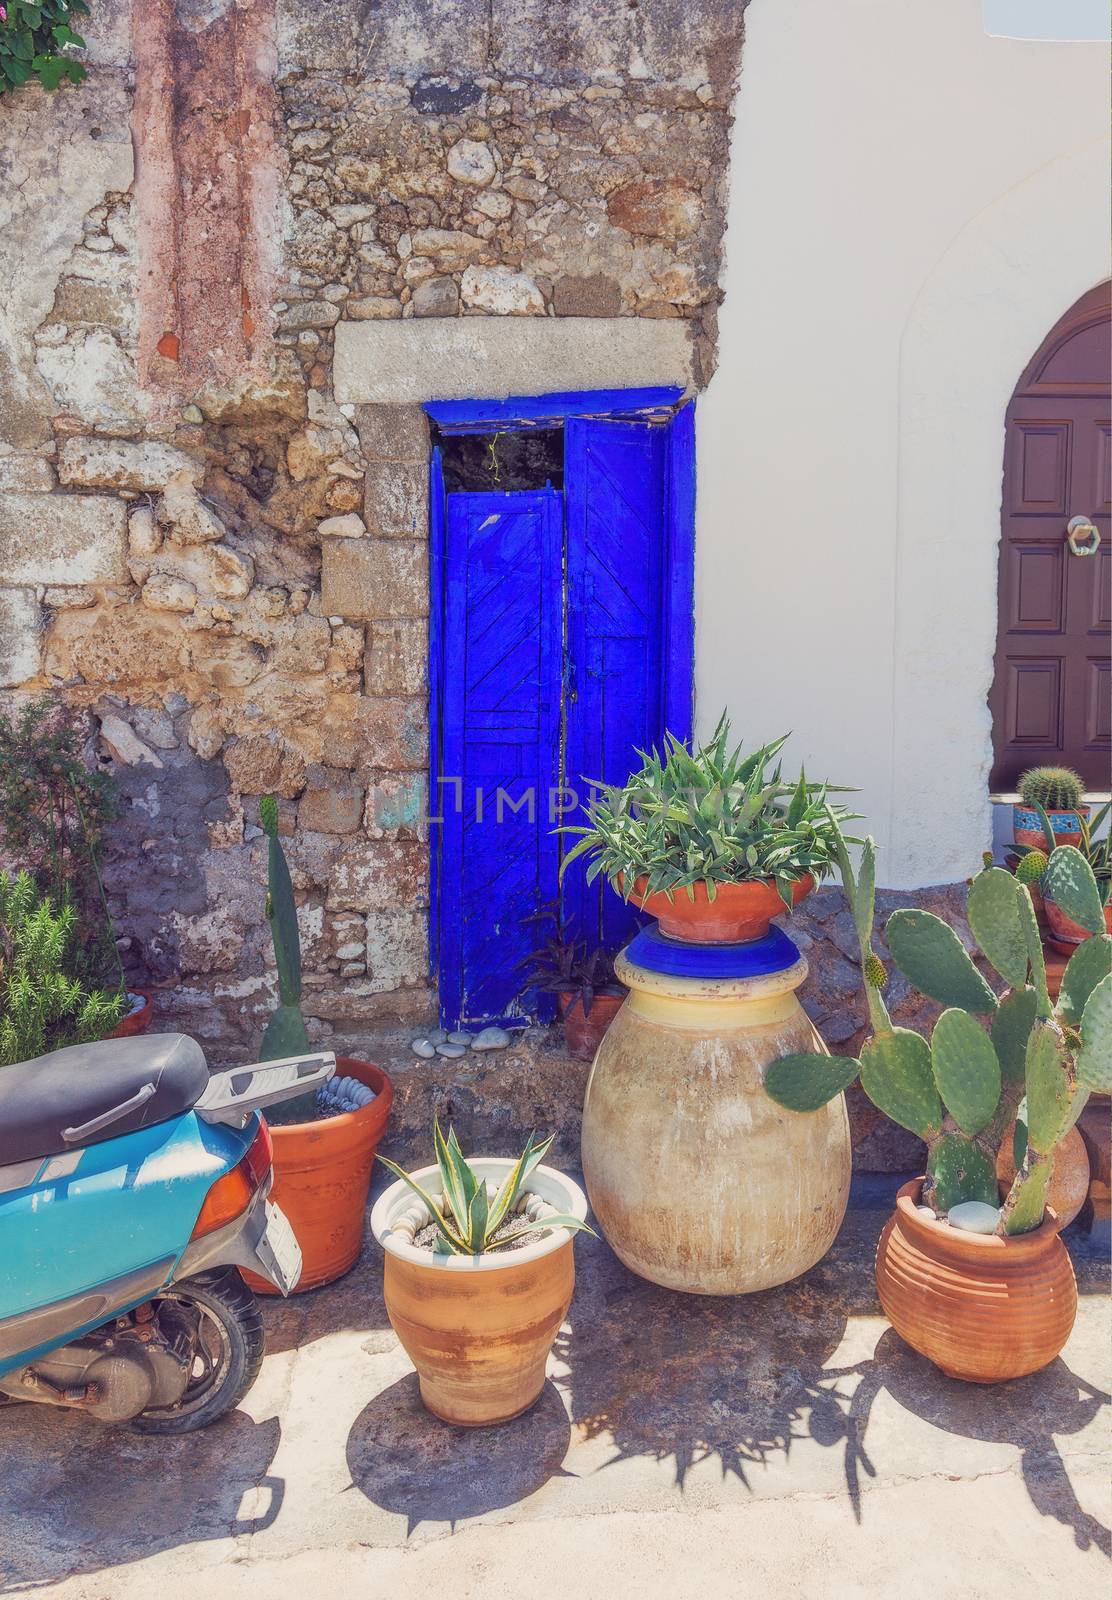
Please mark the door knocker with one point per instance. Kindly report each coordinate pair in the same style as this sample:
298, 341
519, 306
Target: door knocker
1082, 536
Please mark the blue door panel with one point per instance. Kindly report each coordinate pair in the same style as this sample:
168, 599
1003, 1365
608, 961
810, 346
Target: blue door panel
616, 487
500, 739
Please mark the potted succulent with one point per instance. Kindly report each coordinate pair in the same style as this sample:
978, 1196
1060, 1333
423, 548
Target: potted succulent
479, 1275
588, 995
711, 842
43, 1006
322, 1164
1075, 900
1060, 792
985, 1290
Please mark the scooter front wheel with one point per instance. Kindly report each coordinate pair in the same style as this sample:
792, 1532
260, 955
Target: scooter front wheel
228, 1355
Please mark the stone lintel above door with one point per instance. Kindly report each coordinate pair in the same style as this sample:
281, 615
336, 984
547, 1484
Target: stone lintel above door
492, 357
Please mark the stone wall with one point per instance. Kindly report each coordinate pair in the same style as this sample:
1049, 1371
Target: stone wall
199, 547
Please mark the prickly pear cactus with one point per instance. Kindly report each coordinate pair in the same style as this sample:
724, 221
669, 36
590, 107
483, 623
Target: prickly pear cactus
1070, 884
1094, 1063
1027, 1200
1011, 1028
807, 1081
966, 1070
1090, 962
1030, 868
957, 1170
931, 956
896, 1076
1049, 1089
994, 916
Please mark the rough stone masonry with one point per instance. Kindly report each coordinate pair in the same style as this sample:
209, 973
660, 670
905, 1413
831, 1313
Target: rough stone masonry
200, 549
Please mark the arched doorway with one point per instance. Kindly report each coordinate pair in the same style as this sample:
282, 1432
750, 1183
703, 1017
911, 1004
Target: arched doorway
1051, 691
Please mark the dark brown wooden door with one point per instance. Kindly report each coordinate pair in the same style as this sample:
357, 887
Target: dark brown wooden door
1051, 693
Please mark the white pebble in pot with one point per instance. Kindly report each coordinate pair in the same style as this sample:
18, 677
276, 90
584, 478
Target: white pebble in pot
974, 1216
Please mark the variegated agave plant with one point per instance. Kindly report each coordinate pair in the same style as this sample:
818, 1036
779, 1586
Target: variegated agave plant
710, 816
467, 1217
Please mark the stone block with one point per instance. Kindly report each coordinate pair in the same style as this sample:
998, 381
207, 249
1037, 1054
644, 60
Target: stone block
446, 358
124, 646
25, 471
263, 763
396, 499
19, 636
436, 297
62, 538
393, 433
370, 875
332, 802
373, 580
397, 949
450, 37
397, 806
396, 658
501, 292
119, 464
373, 734
655, 208
594, 296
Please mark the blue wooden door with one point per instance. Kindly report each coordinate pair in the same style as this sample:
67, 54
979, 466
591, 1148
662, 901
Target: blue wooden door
616, 477
500, 744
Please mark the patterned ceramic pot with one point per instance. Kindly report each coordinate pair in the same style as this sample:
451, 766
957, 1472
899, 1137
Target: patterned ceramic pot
982, 1308
477, 1328
1027, 830
698, 1180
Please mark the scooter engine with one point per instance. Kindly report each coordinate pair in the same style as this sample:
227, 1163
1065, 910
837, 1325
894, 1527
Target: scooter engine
115, 1373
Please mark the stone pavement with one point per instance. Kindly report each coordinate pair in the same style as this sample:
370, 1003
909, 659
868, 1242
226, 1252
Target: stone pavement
682, 1446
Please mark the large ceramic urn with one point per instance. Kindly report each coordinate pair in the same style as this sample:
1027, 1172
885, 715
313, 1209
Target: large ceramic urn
698, 1179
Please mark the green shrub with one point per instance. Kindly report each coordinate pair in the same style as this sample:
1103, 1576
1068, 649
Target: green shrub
42, 1006
35, 41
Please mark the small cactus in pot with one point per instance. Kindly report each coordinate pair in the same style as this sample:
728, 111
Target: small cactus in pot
1057, 792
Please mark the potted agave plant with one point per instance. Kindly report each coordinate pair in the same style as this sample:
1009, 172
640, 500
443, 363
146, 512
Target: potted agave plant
985, 1290
322, 1164
1057, 791
479, 1275
711, 842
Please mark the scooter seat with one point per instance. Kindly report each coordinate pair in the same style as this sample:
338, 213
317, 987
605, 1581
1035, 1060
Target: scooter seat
42, 1099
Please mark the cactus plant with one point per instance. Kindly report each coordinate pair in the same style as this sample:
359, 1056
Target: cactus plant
1053, 788
285, 1032
963, 1090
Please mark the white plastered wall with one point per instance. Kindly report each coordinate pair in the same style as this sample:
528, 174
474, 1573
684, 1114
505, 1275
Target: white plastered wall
913, 205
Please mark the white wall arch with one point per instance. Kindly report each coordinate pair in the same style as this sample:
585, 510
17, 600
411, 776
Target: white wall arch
1012, 272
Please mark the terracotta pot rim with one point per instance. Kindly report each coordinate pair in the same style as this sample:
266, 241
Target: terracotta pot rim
571, 997
746, 888
342, 1121
555, 1187
963, 1243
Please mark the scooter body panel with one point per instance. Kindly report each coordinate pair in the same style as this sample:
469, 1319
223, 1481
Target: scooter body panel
101, 1229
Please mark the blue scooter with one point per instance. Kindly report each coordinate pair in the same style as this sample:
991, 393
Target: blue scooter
132, 1184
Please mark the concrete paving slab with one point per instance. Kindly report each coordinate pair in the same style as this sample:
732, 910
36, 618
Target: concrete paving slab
681, 1445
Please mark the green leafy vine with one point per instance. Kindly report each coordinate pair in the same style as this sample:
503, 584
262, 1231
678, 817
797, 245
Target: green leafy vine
35, 42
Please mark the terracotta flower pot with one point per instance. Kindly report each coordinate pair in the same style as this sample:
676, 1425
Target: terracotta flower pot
1027, 829
1069, 1184
136, 1021
982, 1308
584, 1031
478, 1328
738, 913
1065, 933
322, 1171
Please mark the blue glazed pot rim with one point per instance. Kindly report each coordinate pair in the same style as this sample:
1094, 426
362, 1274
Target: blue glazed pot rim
653, 951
